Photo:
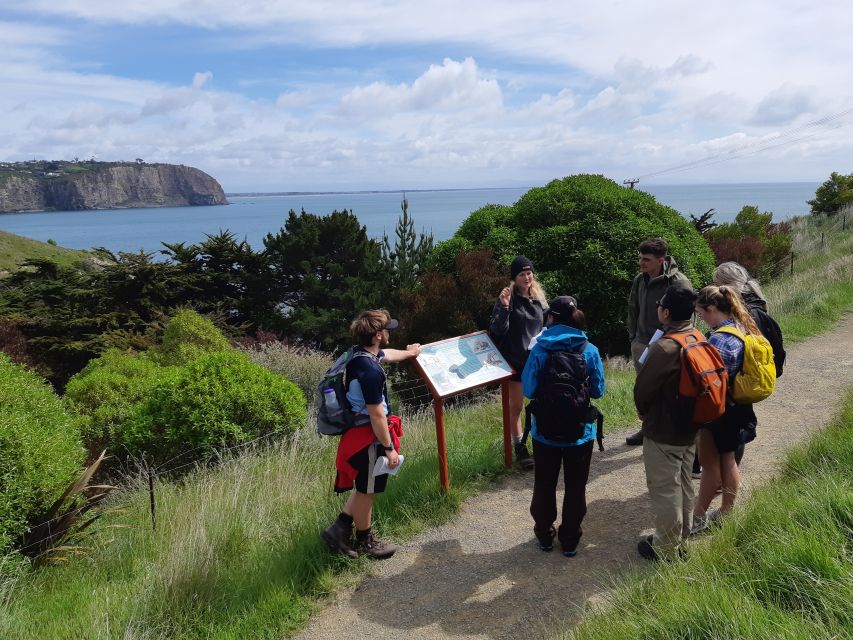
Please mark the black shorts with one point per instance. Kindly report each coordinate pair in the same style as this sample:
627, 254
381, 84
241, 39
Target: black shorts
727, 430
364, 461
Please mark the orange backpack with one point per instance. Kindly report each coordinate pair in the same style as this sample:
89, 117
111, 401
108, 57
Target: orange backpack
703, 380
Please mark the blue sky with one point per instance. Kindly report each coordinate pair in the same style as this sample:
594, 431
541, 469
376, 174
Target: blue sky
373, 94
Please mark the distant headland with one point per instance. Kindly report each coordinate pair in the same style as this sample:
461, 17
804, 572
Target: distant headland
57, 185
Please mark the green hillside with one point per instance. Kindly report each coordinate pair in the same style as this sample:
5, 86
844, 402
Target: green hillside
15, 249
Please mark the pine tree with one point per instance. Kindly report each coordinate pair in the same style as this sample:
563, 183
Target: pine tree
406, 261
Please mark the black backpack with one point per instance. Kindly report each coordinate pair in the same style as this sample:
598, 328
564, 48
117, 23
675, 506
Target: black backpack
562, 403
334, 412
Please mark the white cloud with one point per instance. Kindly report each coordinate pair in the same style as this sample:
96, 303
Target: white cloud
604, 87
449, 86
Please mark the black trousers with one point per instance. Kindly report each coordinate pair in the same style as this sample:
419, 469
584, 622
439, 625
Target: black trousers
575, 464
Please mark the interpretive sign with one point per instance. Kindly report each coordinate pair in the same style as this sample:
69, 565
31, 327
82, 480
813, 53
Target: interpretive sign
459, 364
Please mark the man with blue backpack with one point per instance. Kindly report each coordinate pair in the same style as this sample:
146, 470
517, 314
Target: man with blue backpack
353, 401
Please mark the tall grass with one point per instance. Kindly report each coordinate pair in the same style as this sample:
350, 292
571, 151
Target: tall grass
782, 567
236, 552
820, 290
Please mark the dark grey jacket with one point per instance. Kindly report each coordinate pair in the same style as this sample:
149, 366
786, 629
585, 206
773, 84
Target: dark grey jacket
645, 292
512, 328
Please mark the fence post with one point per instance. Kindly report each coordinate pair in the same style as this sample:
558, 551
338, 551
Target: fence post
151, 498
792, 263
822, 244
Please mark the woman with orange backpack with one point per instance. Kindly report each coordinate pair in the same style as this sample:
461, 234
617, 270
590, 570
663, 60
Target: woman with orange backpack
722, 309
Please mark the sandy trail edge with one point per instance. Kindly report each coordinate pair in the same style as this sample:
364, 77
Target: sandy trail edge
482, 576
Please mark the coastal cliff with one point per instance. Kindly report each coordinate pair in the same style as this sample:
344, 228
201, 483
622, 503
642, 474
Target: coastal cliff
71, 186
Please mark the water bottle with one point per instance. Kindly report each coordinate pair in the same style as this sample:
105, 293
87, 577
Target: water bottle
330, 401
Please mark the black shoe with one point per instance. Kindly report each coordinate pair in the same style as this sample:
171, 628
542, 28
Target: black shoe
337, 538
635, 440
546, 542
522, 457
646, 549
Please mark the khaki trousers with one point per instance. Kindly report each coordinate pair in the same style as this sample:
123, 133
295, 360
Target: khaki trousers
637, 349
670, 486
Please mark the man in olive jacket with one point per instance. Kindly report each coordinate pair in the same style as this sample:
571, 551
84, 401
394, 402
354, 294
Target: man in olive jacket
668, 447
657, 272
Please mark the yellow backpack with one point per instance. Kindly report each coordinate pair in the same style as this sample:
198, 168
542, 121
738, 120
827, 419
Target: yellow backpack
757, 378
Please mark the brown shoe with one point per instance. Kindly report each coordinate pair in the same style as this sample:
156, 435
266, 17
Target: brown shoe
372, 546
635, 440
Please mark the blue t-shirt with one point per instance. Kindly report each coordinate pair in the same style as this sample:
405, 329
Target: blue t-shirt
366, 384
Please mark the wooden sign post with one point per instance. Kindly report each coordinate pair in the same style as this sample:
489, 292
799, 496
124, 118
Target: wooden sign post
456, 365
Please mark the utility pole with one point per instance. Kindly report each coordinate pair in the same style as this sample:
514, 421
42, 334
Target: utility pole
631, 181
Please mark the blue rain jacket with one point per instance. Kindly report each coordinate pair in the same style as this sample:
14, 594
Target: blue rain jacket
559, 337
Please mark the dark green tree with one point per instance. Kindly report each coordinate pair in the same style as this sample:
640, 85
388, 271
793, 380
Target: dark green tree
832, 194
704, 222
224, 277
324, 269
582, 234
407, 260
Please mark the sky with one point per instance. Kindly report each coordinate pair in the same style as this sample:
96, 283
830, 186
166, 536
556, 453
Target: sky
267, 95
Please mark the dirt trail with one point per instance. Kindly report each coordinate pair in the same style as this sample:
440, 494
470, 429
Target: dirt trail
482, 575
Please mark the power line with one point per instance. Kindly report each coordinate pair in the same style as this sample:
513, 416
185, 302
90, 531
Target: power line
756, 146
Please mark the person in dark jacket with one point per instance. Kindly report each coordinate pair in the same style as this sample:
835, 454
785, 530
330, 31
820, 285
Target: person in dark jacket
517, 317
657, 272
564, 332
735, 275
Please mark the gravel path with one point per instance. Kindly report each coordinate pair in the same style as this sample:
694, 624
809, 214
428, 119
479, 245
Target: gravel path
482, 575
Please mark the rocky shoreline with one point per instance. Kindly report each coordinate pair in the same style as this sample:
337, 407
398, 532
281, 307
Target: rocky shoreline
74, 186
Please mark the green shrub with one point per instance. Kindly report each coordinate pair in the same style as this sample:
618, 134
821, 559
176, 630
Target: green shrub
582, 234
218, 399
188, 335
107, 392
40, 449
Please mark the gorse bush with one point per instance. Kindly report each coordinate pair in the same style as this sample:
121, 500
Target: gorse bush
582, 234
194, 391
186, 336
40, 449
107, 392
218, 399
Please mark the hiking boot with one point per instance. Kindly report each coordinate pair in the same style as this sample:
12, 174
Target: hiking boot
546, 542
522, 457
635, 440
373, 547
338, 539
700, 524
647, 549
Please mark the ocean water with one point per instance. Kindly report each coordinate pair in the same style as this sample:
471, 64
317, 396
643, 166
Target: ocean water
252, 217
